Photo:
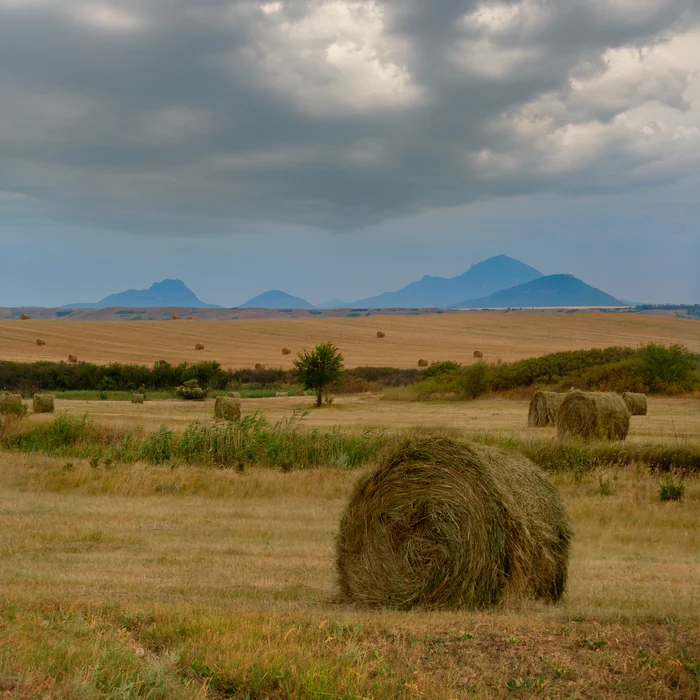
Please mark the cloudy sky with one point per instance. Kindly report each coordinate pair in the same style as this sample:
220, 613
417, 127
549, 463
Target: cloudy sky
342, 149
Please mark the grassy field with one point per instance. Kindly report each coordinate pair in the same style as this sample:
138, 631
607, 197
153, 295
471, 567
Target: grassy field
190, 583
670, 420
243, 343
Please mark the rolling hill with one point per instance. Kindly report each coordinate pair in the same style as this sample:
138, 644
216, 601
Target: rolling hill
276, 299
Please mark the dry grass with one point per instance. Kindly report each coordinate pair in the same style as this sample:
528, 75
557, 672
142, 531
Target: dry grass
193, 583
670, 420
243, 343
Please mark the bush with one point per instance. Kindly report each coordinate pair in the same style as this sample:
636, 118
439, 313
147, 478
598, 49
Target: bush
669, 490
475, 380
191, 390
660, 366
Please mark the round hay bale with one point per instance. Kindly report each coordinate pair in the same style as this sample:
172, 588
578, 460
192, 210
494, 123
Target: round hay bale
636, 403
593, 416
190, 318
40, 342
176, 317
199, 346
11, 404
24, 317
72, 358
478, 353
43, 403
279, 394
227, 408
286, 351
381, 335
543, 408
137, 398
422, 363
259, 366
442, 523
234, 394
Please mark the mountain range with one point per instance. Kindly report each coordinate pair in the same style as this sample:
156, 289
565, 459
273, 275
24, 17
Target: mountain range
499, 282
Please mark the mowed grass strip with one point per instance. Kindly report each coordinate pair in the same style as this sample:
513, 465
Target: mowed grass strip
222, 584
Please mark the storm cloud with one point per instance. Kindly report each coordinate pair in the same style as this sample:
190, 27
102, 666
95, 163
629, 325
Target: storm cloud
169, 115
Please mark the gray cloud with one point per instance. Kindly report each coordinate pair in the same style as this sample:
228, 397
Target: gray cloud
176, 116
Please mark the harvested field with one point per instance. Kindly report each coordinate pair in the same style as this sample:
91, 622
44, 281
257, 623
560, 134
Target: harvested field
670, 420
244, 343
190, 581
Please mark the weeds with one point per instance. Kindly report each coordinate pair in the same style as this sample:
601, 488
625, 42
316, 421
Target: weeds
669, 490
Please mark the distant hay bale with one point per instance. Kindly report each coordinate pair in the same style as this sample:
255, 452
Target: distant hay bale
422, 363
543, 408
40, 342
137, 398
259, 366
279, 394
199, 346
72, 358
190, 318
381, 335
234, 394
593, 416
176, 317
442, 523
286, 351
478, 353
227, 408
43, 403
11, 404
24, 317
636, 403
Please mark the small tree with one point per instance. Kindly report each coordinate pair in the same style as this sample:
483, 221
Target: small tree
318, 368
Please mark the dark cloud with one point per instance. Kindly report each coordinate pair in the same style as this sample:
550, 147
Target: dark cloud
171, 115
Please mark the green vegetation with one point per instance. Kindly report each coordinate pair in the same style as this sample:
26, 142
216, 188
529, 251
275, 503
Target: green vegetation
318, 368
253, 441
191, 391
669, 490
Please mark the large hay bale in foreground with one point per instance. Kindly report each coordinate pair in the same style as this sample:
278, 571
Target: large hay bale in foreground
478, 353
422, 363
543, 408
43, 403
593, 415
227, 408
636, 403
72, 358
442, 523
11, 404
137, 398
40, 342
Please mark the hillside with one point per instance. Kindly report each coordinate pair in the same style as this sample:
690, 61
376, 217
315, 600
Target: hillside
168, 293
499, 272
552, 290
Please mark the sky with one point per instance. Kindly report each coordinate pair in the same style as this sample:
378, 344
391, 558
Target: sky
340, 149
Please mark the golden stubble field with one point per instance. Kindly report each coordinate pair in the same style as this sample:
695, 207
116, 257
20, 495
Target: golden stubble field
432, 337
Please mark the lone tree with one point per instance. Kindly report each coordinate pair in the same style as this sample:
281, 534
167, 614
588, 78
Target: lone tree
318, 368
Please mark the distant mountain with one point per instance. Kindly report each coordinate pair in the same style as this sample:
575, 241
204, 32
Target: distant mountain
552, 290
482, 279
166, 293
333, 304
276, 299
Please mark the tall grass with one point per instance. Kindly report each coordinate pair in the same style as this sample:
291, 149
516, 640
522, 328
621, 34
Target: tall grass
253, 441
